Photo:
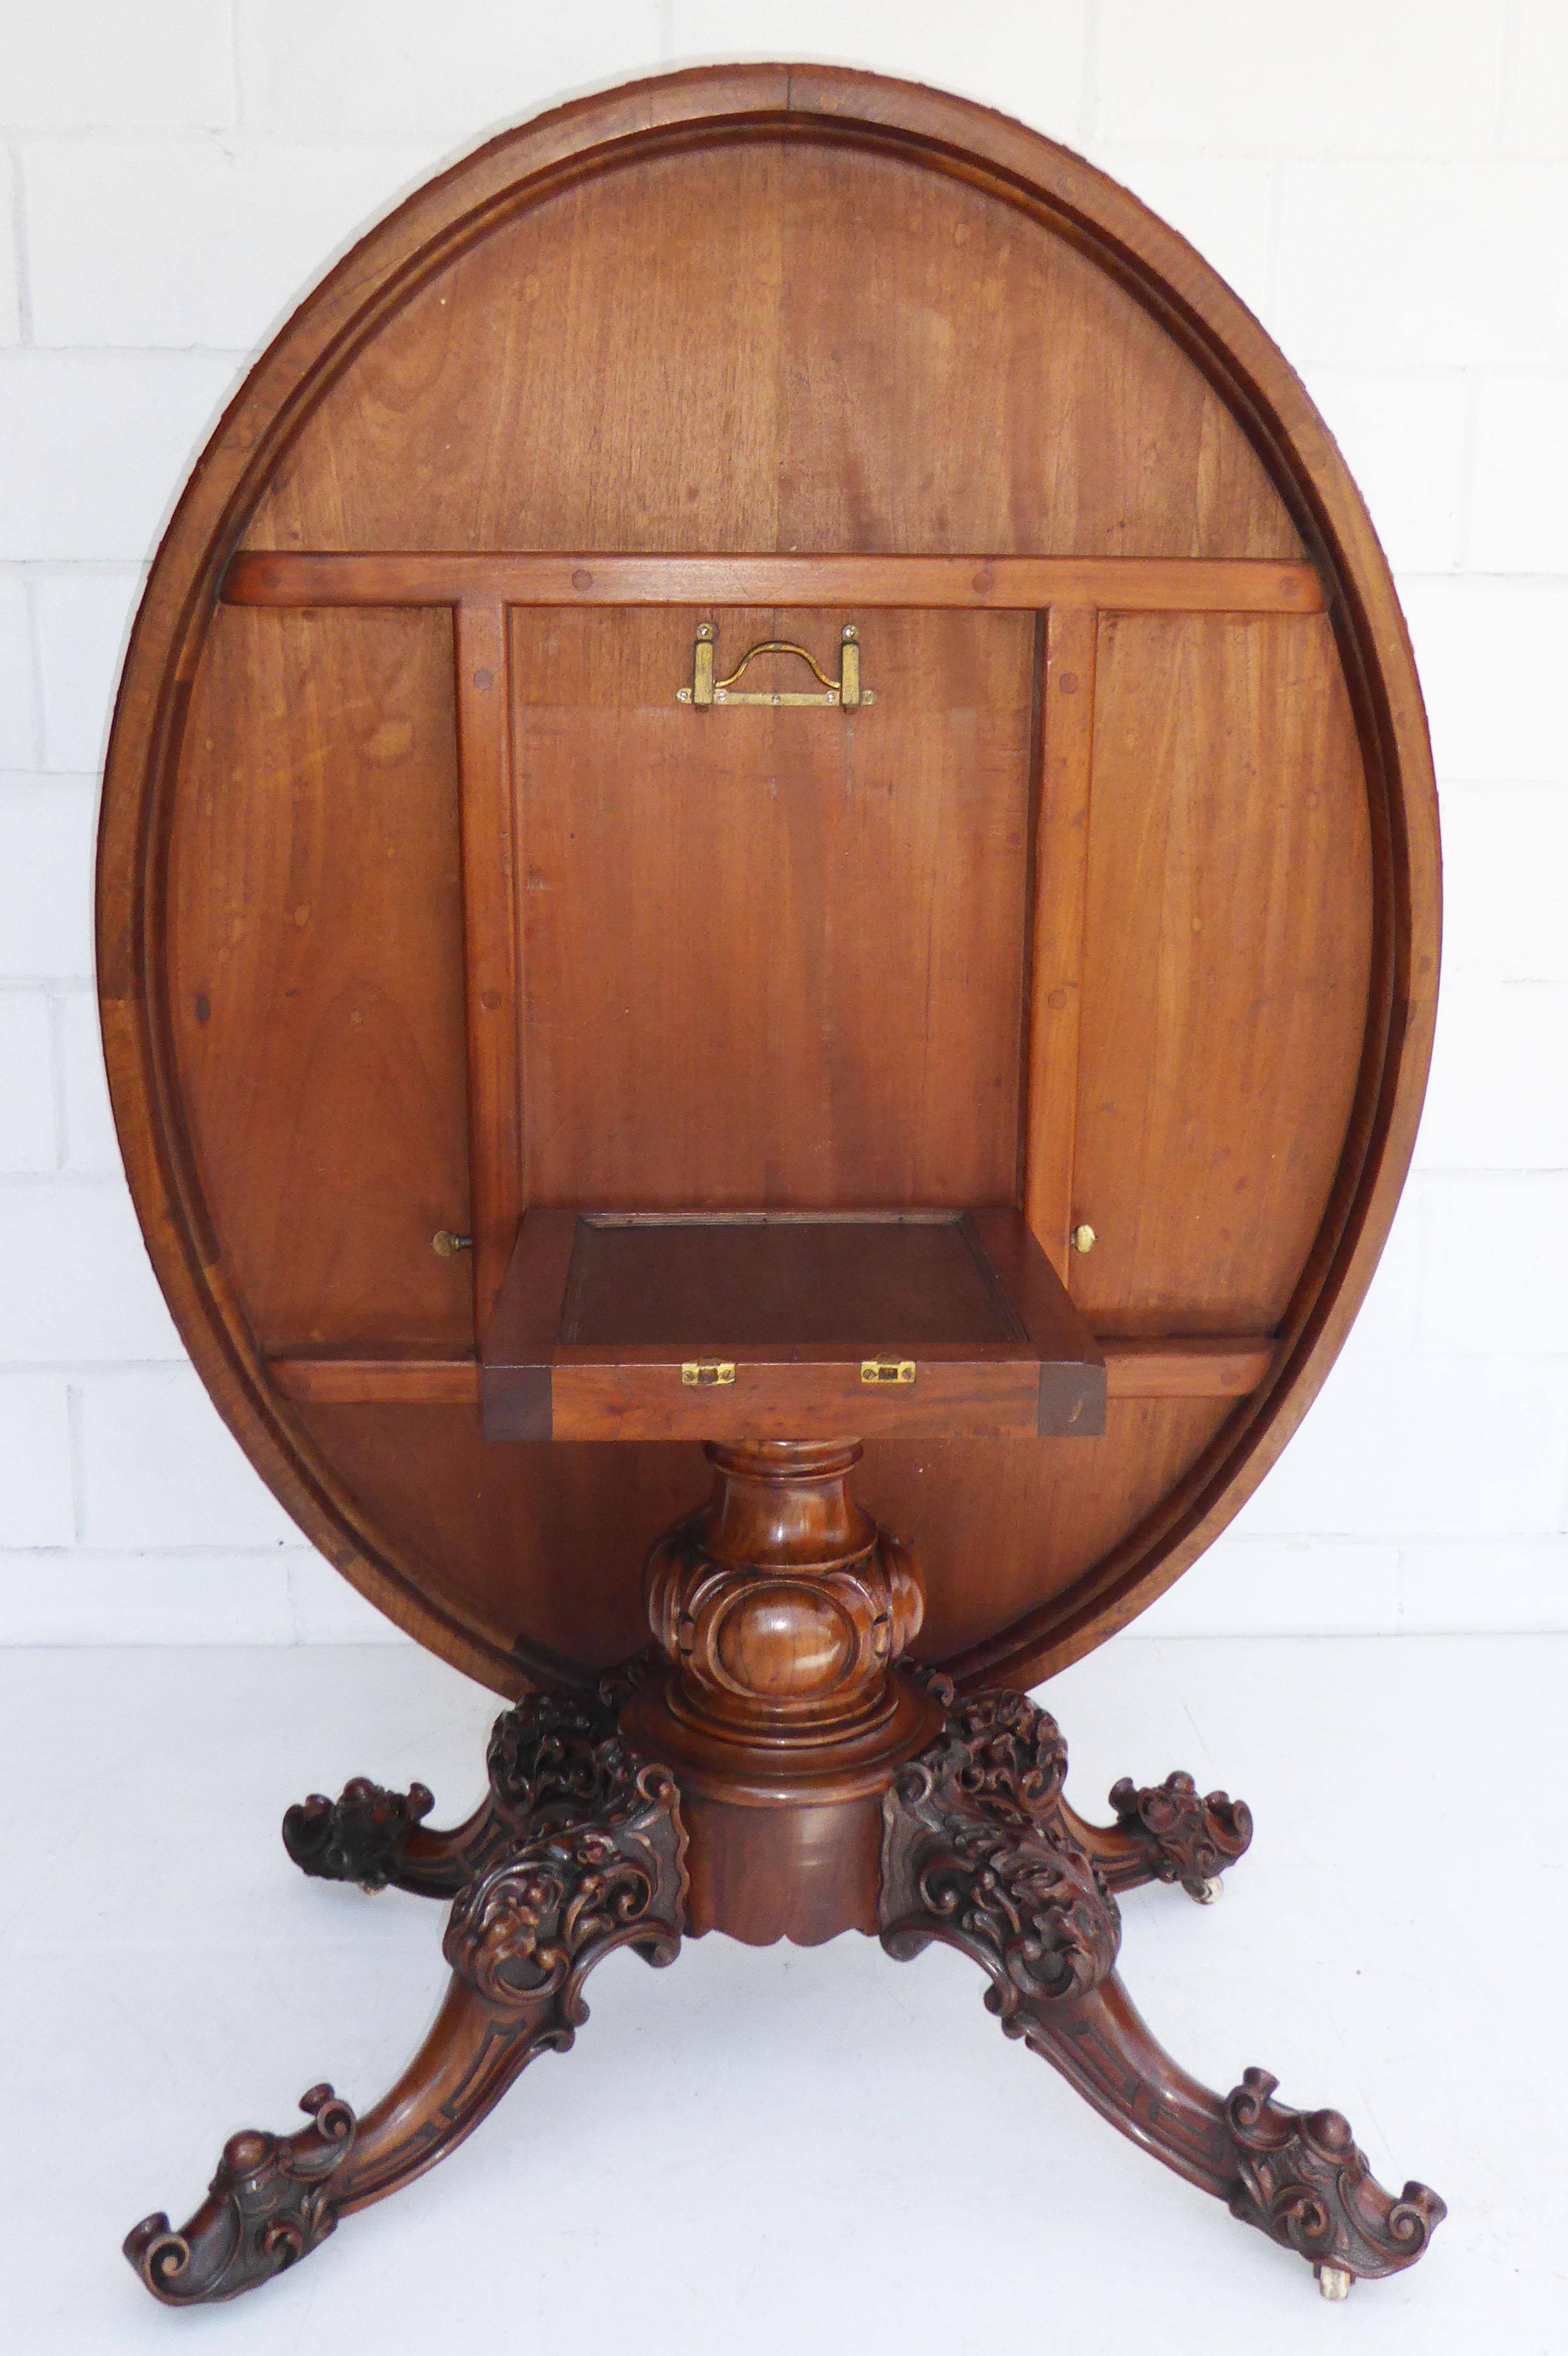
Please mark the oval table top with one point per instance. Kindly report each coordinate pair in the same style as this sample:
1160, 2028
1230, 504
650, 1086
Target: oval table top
771, 641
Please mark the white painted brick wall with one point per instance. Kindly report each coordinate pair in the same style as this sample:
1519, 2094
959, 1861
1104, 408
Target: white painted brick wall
1385, 181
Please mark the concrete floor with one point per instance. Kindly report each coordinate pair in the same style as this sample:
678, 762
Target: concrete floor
761, 2151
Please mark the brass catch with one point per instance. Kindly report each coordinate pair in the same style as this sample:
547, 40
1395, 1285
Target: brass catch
444, 1244
707, 1371
706, 689
887, 1370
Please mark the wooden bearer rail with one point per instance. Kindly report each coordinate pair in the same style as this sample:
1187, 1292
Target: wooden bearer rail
1060, 864
1128, 585
1221, 1366
493, 947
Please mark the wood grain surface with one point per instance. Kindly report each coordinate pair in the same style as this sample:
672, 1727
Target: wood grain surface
422, 899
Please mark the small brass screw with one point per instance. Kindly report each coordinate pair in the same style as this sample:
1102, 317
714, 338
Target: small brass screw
1083, 1239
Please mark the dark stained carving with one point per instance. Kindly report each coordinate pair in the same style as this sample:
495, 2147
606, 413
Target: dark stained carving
579, 1847
362, 1837
981, 1850
1013, 1755
975, 1853
534, 1924
554, 1755
1170, 1832
269, 2205
544, 1762
1303, 2181
596, 1861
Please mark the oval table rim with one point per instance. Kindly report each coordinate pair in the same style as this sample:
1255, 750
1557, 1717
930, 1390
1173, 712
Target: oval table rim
1190, 301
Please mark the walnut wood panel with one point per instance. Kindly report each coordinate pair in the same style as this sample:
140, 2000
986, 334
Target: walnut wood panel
541, 1542
935, 334
859, 1043
315, 981
905, 1281
961, 1504
1122, 585
1226, 960
980, 382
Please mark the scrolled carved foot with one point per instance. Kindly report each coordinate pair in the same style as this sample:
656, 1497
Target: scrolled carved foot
1303, 2181
268, 2206
360, 1836
1178, 1835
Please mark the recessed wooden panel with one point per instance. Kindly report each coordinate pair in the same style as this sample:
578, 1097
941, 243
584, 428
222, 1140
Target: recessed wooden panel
772, 958
775, 344
542, 1539
963, 1503
317, 972
914, 1283
1227, 950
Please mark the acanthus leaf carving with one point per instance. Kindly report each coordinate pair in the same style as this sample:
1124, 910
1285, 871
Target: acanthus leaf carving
1015, 1755
1305, 2183
269, 2205
526, 1933
359, 1836
975, 1852
554, 1755
1180, 1835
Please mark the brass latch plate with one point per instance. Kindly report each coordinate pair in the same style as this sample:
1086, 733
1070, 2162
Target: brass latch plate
699, 1372
887, 1370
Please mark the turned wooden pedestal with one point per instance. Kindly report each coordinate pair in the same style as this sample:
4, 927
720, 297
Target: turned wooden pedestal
784, 1613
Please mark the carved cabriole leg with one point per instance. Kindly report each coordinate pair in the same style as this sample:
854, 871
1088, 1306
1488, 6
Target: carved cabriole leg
1297, 2175
980, 1850
597, 1863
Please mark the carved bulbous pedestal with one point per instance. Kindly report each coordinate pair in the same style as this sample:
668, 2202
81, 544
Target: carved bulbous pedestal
784, 1613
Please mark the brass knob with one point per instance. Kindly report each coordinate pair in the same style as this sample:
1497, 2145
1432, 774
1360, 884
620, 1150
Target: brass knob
1083, 1239
443, 1243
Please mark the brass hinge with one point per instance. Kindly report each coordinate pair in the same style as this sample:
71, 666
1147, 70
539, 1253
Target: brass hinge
708, 1370
887, 1370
